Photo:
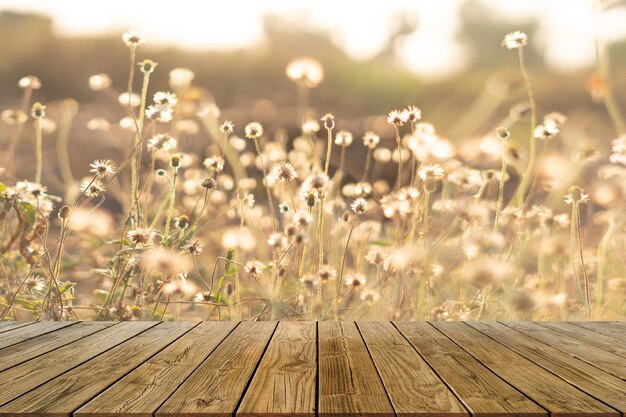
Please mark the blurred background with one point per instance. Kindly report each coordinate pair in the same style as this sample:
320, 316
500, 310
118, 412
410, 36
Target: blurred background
444, 57
377, 57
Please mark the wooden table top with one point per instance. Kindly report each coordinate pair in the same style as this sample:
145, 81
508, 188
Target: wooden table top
312, 368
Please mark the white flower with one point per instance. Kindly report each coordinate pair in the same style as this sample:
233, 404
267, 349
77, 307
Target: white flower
306, 70
576, 195
165, 98
431, 172
253, 130
131, 40
514, 40
618, 151
160, 113
397, 118
102, 168
343, 138
161, 142
371, 140
99, 82
359, 206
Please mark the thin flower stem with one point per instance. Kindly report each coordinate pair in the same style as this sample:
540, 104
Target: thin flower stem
136, 155
267, 186
329, 147
170, 210
343, 264
533, 121
582, 264
368, 162
501, 188
399, 143
38, 150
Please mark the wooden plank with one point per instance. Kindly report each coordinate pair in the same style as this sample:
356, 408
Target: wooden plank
606, 361
23, 378
607, 343
217, 385
64, 394
142, 391
284, 383
549, 391
25, 333
605, 328
412, 386
6, 326
348, 381
606, 388
32, 348
481, 391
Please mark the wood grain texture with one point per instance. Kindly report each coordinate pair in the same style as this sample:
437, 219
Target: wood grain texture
22, 378
25, 333
142, 391
413, 388
605, 387
284, 384
549, 391
217, 385
480, 390
327, 369
33, 348
64, 394
611, 329
349, 384
6, 326
606, 361
608, 343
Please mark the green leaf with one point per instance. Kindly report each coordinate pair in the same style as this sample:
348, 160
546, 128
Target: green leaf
66, 286
29, 214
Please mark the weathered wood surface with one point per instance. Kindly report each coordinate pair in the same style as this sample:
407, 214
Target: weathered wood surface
456, 369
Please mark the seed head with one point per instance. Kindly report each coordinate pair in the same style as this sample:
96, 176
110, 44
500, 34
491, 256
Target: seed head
141, 237
194, 248
285, 172
209, 183
355, 280
329, 121
64, 212
254, 268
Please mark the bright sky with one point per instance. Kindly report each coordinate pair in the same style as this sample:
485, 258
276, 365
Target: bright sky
361, 28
